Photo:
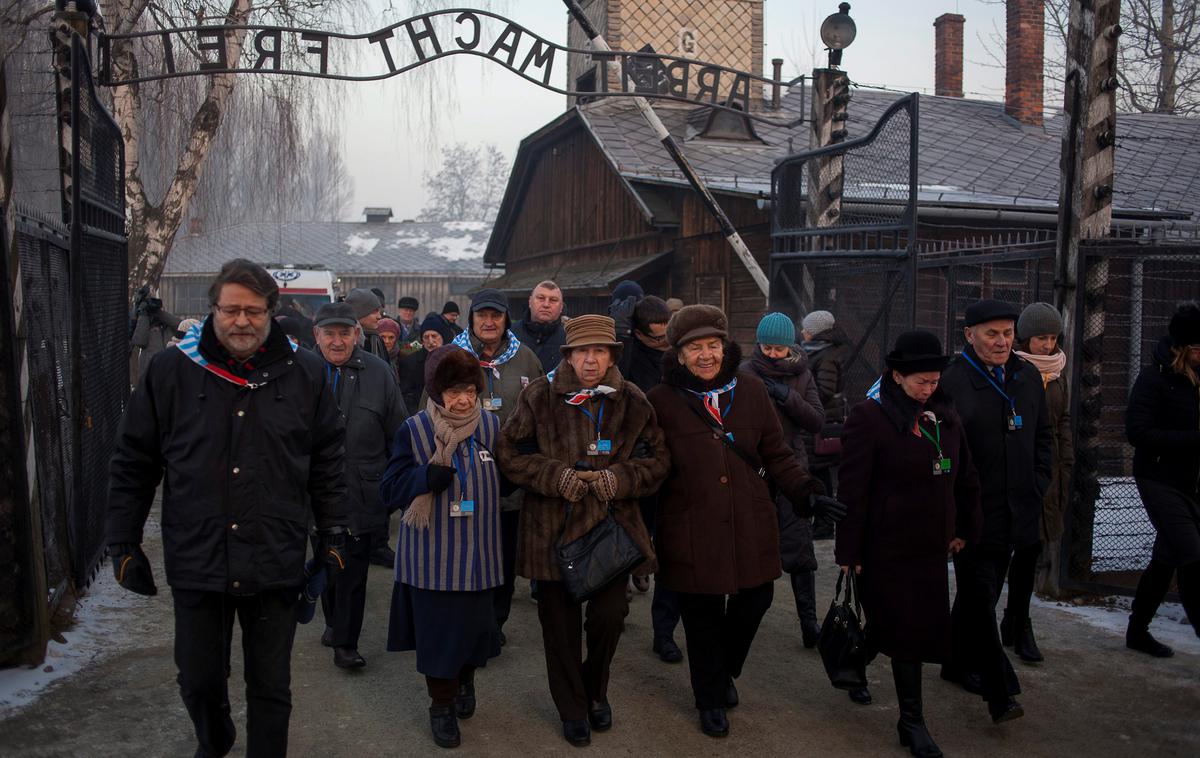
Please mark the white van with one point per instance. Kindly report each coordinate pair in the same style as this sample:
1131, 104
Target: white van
305, 288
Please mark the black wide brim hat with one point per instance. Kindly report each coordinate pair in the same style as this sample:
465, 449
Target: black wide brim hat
917, 351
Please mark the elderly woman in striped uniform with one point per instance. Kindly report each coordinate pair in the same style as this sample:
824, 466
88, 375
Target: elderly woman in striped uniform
442, 474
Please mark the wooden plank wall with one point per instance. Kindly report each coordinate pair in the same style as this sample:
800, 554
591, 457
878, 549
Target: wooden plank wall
574, 198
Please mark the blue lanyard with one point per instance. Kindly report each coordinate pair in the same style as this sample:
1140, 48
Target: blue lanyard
1012, 403
596, 420
333, 374
491, 389
462, 477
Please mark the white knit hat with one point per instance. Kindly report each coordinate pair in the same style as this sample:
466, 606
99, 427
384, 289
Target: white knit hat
817, 321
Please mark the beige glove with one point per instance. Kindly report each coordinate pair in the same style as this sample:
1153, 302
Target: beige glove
570, 486
604, 485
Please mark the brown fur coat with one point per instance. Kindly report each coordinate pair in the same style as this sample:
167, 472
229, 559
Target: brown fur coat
544, 435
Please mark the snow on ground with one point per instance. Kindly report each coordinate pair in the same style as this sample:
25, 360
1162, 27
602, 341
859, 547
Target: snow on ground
1122, 535
98, 630
1170, 625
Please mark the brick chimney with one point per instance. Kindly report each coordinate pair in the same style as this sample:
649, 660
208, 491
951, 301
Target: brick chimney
1025, 47
948, 55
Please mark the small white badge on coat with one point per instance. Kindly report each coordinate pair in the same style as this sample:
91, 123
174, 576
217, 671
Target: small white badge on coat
485, 456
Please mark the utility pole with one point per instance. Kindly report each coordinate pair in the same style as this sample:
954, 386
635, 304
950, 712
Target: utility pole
1085, 213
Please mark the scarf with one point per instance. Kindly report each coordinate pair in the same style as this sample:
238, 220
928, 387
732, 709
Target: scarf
190, 346
581, 396
712, 400
463, 340
1051, 366
449, 430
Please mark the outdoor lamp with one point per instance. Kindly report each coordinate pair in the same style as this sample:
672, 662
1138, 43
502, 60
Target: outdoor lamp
837, 32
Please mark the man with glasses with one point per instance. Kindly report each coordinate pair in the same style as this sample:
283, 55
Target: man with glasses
1002, 403
242, 429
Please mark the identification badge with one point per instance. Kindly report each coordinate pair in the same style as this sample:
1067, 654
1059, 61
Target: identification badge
1014, 422
941, 466
485, 456
462, 508
600, 447
492, 403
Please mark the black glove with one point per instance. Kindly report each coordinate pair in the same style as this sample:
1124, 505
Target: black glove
641, 449
132, 569
777, 390
438, 478
823, 505
331, 550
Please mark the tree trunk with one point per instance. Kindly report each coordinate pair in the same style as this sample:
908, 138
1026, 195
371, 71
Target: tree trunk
1166, 75
152, 226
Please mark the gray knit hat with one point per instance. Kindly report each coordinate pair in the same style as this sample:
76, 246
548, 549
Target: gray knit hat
363, 301
1038, 319
818, 321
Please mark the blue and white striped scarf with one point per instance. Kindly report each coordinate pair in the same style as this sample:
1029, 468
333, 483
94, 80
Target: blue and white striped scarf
712, 400
463, 340
190, 346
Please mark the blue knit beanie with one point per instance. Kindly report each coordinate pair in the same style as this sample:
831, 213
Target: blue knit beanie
775, 329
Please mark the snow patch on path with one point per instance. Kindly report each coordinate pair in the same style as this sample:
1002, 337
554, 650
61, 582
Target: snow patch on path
1111, 614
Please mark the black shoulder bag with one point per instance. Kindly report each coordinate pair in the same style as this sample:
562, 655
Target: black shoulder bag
597, 559
842, 644
761, 471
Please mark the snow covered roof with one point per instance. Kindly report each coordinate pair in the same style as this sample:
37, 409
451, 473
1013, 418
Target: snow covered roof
448, 248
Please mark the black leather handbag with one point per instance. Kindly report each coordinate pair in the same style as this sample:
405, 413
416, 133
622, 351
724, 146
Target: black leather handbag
842, 644
595, 560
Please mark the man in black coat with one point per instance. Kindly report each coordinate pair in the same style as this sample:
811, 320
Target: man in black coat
247, 433
366, 391
368, 310
1002, 403
542, 330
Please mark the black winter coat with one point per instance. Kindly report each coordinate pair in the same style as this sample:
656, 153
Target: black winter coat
901, 518
244, 465
1162, 423
373, 410
640, 363
1015, 467
801, 411
828, 354
412, 379
543, 339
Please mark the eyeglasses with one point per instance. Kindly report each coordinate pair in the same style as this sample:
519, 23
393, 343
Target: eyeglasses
233, 311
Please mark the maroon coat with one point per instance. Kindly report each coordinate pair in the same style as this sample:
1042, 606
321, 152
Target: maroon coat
716, 530
901, 519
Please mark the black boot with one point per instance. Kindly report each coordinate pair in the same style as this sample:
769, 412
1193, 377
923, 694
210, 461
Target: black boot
444, 725
464, 701
1142, 641
1026, 647
804, 587
1151, 591
911, 726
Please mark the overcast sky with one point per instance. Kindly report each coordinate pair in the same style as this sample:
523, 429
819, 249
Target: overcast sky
389, 143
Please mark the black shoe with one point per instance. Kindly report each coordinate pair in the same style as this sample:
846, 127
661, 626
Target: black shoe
1006, 636
578, 733
348, 658
444, 725
641, 583
464, 701
911, 726
1026, 647
972, 682
714, 723
810, 632
327, 637
600, 716
1142, 641
1006, 710
383, 556
667, 650
731, 695
860, 695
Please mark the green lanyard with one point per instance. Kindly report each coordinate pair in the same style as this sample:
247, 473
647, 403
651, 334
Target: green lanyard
941, 464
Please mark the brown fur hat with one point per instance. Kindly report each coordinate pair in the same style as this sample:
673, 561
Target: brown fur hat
696, 321
448, 366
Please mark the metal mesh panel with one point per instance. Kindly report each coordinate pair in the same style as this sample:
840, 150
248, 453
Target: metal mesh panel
1126, 299
46, 292
100, 161
105, 381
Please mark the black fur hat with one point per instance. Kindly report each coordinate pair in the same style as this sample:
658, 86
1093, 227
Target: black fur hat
448, 366
1185, 325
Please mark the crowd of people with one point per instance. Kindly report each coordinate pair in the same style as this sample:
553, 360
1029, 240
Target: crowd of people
502, 441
